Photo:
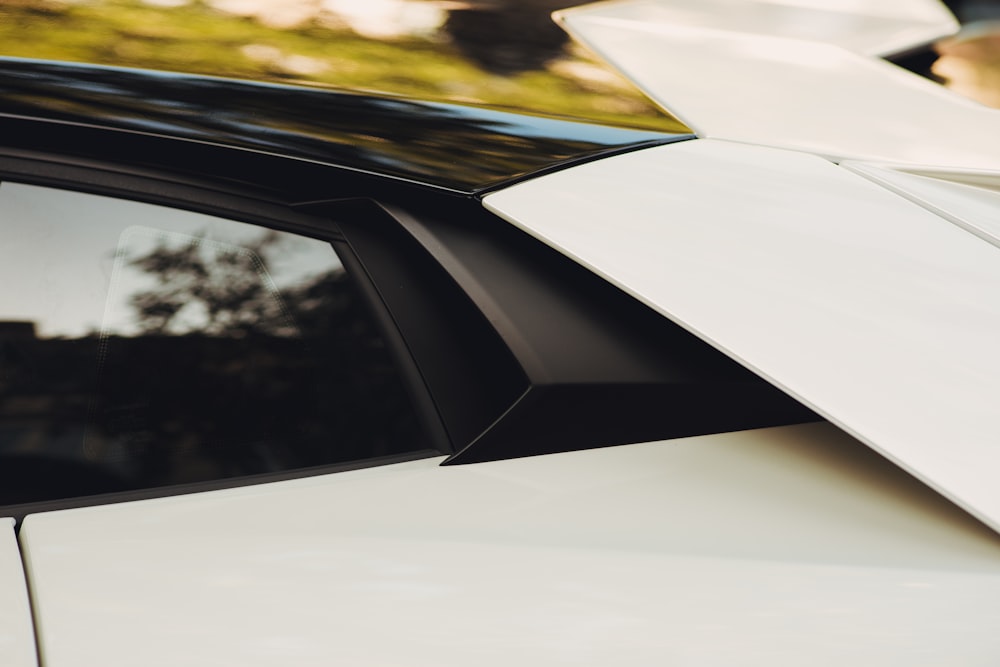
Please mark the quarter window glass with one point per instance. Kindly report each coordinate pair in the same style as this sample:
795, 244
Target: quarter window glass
143, 346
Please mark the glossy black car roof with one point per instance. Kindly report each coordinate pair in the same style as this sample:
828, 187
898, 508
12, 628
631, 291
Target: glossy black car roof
453, 147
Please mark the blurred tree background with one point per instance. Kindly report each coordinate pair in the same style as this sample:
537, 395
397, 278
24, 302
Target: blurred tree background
969, 62
498, 54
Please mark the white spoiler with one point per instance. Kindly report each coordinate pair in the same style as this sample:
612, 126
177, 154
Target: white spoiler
869, 290
797, 74
878, 313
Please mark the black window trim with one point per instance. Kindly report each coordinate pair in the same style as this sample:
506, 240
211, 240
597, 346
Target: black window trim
449, 254
231, 203
19, 511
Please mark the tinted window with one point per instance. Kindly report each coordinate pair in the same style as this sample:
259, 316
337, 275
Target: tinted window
143, 346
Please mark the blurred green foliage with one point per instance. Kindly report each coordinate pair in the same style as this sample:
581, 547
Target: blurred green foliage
195, 37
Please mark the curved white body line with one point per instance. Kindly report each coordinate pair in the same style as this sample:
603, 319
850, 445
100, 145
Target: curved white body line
17, 634
789, 88
967, 198
783, 546
867, 307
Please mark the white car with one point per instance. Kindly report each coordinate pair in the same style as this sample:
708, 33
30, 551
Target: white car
293, 376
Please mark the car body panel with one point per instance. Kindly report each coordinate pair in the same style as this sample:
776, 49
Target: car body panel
409, 140
17, 632
968, 198
779, 545
871, 310
880, 29
798, 94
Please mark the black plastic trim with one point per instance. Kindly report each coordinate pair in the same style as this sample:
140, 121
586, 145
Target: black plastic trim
553, 418
18, 512
601, 368
427, 411
470, 373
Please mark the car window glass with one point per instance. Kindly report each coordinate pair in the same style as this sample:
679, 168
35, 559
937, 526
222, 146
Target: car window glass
143, 346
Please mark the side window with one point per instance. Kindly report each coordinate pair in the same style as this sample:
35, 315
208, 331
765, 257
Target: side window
142, 346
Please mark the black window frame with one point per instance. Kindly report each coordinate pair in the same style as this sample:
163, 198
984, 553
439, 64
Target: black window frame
223, 200
434, 267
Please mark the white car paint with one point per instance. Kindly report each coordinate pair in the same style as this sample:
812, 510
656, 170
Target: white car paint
869, 308
783, 546
17, 633
789, 89
968, 198
871, 28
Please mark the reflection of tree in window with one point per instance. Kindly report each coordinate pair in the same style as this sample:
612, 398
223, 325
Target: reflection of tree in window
189, 348
215, 289
228, 377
